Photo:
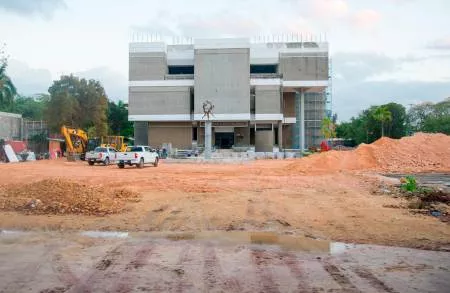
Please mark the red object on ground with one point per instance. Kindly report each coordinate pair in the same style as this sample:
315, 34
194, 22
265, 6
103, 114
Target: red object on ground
54, 148
17, 145
324, 146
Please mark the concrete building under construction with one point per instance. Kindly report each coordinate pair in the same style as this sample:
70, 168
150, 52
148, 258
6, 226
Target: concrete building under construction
265, 93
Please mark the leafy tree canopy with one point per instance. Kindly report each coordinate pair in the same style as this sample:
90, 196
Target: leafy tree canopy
79, 103
7, 89
367, 128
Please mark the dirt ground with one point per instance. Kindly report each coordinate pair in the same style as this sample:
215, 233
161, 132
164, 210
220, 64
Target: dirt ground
255, 196
45, 262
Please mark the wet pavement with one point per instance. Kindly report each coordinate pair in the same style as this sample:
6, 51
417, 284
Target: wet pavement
211, 262
428, 179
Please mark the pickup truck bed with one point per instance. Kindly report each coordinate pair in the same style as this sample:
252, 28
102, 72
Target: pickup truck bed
137, 156
103, 155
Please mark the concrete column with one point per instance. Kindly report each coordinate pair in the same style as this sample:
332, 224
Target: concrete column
208, 137
302, 121
141, 133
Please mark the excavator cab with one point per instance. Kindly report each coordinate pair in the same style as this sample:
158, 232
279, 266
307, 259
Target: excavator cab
93, 143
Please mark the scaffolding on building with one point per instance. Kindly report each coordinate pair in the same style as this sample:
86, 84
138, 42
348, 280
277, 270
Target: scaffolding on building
315, 105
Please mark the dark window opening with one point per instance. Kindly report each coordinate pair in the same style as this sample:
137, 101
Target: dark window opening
224, 140
191, 100
252, 136
252, 101
194, 133
258, 69
181, 69
275, 133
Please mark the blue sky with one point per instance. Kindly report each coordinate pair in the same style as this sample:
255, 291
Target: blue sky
382, 50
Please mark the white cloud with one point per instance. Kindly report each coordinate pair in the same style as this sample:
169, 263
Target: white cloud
114, 83
365, 19
440, 44
26, 7
327, 9
28, 81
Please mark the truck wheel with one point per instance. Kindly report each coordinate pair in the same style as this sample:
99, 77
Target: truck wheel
106, 162
141, 164
121, 166
155, 164
91, 163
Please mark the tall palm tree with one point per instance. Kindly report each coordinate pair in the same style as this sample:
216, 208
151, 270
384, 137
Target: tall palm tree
382, 114
7, 89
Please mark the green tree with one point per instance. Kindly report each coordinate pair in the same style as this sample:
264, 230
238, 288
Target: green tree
328, 129
396, 127
382, 114
79, 103
31, 108
430, 117
118, 119
7, 89
365, 128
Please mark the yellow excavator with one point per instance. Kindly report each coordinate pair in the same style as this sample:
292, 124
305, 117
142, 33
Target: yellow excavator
76, 142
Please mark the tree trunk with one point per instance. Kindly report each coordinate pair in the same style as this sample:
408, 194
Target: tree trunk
382, 129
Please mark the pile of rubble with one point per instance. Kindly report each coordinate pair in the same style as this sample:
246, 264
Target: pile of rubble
59, 196
418, 153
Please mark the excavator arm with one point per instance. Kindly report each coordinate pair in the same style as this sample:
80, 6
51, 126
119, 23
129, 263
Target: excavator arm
76, 139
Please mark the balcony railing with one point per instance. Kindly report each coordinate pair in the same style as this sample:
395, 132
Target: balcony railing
266, 75
178, 76
252, 75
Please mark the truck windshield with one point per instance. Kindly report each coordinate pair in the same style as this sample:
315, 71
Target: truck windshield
100, 150
134, 149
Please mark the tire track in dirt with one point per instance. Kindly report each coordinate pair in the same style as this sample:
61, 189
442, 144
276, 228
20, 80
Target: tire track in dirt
63, 272
183, 283
29, 273
213, 276
261, 259
106, 266
339, 277
376, 283
291, 261
126, 281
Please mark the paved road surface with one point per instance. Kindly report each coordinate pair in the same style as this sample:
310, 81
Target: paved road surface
211, 262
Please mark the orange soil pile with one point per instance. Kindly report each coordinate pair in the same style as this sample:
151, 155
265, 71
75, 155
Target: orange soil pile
58, 196
418, 153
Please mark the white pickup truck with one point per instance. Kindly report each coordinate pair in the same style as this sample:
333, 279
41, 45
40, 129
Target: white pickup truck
138, 156
103, 155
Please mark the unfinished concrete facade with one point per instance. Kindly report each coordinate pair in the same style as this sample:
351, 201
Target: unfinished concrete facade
11, 126
276, 88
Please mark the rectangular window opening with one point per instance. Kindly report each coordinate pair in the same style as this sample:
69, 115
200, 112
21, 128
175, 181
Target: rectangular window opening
260, 69
181, 69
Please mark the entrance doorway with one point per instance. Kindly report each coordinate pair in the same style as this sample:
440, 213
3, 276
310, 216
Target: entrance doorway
224, 140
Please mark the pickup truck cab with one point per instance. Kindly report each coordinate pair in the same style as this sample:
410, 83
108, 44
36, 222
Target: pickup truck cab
138, 156
102, 155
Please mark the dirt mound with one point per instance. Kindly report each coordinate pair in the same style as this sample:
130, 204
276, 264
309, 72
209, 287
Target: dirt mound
421, 152
58, 196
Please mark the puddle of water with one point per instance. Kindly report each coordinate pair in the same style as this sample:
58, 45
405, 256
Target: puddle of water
290, 242
12, 232
340, 247
261, 238
104, 234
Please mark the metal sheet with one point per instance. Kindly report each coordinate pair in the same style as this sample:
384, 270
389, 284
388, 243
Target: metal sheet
12, 158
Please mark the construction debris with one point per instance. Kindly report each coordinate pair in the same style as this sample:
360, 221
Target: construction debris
418, 153
10, 155
58, 196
